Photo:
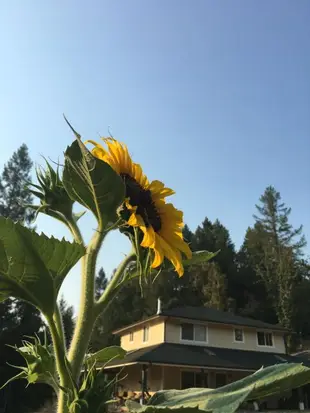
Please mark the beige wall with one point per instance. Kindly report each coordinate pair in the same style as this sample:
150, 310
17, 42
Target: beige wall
166, 377
156, 336
172, 376
222, 336
133, 375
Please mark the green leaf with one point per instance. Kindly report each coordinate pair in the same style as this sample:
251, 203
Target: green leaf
96, 389
92, 182
106, 354
271, 381
200, 257
40, 364
78, 215
33, 266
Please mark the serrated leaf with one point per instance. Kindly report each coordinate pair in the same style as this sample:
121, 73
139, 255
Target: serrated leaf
106, 354
271, 381
33, 266
92, 182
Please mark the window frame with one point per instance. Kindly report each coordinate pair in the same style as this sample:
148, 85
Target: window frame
131, 336
188, 341
265, 332
146, 328
234, 335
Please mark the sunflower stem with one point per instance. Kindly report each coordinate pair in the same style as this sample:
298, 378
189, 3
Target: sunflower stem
59, 326
62, 367
116, 281
86, 317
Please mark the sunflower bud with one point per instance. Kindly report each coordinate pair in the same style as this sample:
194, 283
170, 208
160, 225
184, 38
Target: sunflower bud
54, 200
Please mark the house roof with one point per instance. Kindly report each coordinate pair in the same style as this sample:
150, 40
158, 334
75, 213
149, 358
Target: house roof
217, 316
198, 356
208, 315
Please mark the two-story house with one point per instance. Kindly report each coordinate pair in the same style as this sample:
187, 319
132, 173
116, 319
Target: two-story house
196, 347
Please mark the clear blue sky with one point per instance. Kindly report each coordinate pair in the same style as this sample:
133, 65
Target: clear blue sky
211, 96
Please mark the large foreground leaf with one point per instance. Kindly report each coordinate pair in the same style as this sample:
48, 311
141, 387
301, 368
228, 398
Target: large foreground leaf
33, 266
92, 182
270, 381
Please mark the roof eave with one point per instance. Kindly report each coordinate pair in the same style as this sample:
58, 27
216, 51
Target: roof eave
139, 323
266, 327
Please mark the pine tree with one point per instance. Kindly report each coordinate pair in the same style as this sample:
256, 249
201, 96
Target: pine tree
187, 234
253, 300
213, 285
67, 313
17, 318
273, 219
14, 194
276, 248
215, 237
100, 283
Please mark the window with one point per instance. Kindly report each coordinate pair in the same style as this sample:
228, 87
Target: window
187, 379
200, 333
220, 380
187, 331
131, 336
191, 379
264, 339
191, 332
145, 333
238, 335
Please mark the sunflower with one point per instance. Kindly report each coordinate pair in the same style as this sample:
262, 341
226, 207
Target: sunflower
160, 222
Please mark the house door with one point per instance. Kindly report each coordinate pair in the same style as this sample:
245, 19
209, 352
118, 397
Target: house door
220, 379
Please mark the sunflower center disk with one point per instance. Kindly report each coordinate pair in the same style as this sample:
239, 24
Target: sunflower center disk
142, 199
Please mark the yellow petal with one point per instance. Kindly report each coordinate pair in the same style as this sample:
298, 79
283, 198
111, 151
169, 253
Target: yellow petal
158, 255
128, 206
159, 191
135, 220
149, 237
173, 255
98, 150
113, 152
177, 242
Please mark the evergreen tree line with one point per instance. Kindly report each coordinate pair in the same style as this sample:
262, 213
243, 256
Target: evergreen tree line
267, 278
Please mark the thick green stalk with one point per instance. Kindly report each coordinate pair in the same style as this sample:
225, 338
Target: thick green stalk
75, 230
86, 317
60, 357
73, 227
115, 282
59, 326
